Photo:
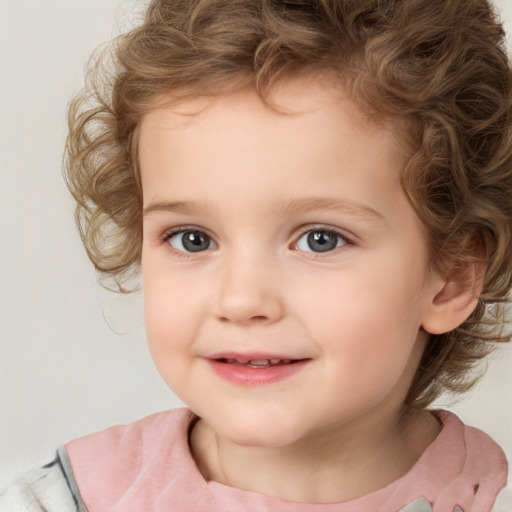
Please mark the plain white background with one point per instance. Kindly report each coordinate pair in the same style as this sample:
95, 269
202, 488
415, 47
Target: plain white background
73, 358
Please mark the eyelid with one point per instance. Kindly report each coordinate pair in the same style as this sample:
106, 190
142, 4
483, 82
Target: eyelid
167, 233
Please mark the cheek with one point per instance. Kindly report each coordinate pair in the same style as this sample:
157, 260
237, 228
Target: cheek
167, 314
364, 322
168, 295
167, 335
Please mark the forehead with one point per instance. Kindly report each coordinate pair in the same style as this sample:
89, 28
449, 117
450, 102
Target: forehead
300, 104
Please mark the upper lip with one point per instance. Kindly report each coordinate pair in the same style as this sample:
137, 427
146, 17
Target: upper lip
251, 356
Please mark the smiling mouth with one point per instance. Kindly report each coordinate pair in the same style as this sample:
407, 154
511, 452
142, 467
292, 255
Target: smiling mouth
258, 363
255, 369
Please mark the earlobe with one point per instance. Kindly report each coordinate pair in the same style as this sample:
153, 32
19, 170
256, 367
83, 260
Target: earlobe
458, 297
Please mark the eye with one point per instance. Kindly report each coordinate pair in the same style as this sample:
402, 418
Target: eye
190, 241
320, 240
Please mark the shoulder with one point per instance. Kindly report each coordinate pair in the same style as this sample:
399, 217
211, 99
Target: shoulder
145, 429
44, 489
479, 448
479, 467
131, 460
129, 444
490, 458
99, 466
504, 500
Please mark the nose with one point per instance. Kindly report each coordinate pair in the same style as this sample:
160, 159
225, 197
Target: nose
249, 293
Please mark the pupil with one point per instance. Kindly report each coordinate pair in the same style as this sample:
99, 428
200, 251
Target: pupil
194, 241
322, 241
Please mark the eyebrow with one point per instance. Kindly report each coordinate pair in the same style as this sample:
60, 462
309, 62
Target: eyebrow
309, 204
168, 206
292, 207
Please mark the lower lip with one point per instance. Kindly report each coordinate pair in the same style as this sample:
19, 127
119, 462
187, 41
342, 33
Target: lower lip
248, 376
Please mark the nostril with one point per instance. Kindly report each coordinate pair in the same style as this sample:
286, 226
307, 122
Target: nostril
256, 318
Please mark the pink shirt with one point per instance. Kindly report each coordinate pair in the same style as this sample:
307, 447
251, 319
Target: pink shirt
147, 466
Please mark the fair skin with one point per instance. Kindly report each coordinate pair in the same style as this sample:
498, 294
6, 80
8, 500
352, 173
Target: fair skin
252, 188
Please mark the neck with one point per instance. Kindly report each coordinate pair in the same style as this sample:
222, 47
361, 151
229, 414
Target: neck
332, 466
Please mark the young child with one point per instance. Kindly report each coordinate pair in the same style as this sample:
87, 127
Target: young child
317, 194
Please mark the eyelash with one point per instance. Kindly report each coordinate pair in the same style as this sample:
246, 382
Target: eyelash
167, 235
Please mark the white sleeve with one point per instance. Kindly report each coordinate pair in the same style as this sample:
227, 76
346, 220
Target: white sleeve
45, 489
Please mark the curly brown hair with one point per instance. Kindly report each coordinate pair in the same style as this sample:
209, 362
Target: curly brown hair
439, 66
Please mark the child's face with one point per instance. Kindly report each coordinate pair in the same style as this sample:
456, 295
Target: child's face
281, 237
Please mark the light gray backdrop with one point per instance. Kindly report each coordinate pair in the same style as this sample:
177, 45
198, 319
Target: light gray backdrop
63, 371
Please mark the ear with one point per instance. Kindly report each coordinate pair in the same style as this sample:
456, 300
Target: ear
454, 298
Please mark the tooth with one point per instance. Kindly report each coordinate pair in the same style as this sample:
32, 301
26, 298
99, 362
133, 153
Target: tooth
259, 362
286, 361
274, 361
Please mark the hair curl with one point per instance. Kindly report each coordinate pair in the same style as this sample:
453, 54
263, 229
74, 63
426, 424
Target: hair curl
438, 65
